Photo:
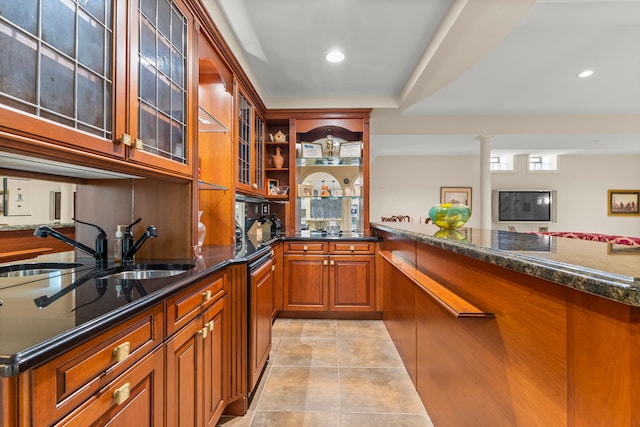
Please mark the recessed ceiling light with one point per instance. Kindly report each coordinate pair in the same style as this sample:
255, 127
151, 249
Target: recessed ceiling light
335, 56
585, 73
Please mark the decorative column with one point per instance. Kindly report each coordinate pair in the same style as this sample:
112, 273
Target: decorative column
485, 181
66, 203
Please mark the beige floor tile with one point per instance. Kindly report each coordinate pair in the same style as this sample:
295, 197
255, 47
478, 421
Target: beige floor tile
384, 420
368, 353
307, 352
348, 329
275, 346
311, 328
295, 419
378, 390
299, 389
279, 327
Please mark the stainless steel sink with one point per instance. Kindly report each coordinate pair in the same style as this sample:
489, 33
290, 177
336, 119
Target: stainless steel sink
34, 269
148, 271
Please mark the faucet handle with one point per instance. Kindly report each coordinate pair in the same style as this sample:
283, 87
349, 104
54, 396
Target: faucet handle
127, 231
101, 232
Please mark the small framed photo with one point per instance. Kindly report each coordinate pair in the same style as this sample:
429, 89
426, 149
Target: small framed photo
272, 186
305, 190
311, 150
460, 195
351, 149
623, 202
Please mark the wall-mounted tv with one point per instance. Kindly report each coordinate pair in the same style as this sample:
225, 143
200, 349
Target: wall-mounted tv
525, 205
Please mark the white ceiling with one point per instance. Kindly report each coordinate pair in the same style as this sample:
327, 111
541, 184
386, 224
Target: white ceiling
438, 73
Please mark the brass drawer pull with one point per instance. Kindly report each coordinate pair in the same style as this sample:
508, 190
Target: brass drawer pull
210, 325
121, 352
305, 248
206, 296
273, 268
332, 262
122, 394
324, 262
352, 248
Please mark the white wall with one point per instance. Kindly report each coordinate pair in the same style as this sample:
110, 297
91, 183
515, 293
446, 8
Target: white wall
39, 203
411, 185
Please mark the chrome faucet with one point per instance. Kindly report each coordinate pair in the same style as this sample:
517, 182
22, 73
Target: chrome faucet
129, 248
100, 252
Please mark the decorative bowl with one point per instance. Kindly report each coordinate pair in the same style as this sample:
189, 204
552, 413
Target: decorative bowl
450, 216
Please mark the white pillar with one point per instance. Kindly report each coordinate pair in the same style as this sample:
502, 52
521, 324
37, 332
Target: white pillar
66, 203
485, 181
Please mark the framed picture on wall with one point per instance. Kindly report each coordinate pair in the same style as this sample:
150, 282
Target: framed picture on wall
623, 202
459, 195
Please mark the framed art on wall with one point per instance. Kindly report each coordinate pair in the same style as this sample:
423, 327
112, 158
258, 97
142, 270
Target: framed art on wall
460, 195
623, 202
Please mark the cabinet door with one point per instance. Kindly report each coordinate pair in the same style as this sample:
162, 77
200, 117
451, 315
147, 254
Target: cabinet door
260, 317
244, 141
184, 376
277, 279
57, 69
352, 283
161, 84
213, 368
133, 399
306, 282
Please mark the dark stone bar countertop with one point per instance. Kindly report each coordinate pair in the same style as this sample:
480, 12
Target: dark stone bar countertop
603, 269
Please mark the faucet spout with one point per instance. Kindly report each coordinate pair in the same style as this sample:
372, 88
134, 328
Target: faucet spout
150, 233
100, 253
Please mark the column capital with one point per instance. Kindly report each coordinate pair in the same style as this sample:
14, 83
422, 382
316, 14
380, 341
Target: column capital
484, 138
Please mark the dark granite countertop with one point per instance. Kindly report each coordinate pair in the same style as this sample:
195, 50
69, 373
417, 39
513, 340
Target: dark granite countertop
594, 267
79, 306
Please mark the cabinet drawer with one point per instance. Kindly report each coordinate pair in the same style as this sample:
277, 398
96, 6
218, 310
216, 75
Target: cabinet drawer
305, 247
66, 381
186, 305
352, 248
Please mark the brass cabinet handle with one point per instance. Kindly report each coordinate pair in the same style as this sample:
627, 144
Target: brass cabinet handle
125, 139
332, 262
204, 332
206, 296
121, 351
324, 262
122, 394
273, 252
210, 325
352, 248
305, 247
138, 144
273, 268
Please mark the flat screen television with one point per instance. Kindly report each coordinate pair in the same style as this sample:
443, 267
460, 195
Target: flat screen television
525, 205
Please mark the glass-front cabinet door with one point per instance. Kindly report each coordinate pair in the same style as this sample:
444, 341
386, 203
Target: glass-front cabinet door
56, 69
330, 170
159, 100
250, 146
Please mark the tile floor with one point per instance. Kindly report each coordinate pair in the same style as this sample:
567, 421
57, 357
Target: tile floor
333, 373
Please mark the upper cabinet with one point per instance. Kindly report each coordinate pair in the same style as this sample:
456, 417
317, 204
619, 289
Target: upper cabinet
107, 77
161, 85
57, 68
331, 175
250, 147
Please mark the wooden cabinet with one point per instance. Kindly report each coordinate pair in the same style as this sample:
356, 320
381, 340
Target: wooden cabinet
260, 319
319, 276
195, 354
250, 147
84, 376
276, 258
121, 86
162, 93
135, 398
277, 174
195, 376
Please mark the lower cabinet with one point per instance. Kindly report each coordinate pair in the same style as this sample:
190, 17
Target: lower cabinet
260, 319
323, 276
195, 370
133, 399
